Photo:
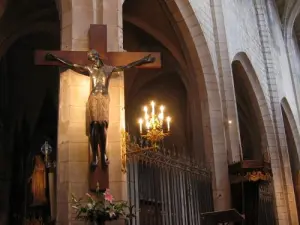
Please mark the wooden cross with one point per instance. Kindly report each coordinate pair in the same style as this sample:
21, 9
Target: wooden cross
98, 41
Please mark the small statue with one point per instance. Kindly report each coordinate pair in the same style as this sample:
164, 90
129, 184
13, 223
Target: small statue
38, 182
98, 102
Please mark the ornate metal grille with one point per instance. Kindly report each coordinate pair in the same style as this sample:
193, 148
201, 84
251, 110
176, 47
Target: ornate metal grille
266, 204
166, 188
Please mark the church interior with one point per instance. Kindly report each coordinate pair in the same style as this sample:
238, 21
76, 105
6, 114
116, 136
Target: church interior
230, 153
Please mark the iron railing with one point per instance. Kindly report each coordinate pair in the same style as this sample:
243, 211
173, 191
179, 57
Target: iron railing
166, 188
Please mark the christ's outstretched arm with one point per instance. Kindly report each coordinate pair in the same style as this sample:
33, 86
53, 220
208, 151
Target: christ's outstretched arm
73, 66
147, 59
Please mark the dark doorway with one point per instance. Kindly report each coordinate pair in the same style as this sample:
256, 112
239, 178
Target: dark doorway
255, 201
245, 200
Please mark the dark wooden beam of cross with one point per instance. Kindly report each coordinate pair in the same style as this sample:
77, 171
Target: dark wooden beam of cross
98, 41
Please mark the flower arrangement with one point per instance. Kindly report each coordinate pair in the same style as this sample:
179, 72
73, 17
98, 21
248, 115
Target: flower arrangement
99, 208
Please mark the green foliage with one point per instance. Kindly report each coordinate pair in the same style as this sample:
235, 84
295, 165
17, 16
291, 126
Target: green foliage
100, 207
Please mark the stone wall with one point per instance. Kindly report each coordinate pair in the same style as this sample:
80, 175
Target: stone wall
260, 38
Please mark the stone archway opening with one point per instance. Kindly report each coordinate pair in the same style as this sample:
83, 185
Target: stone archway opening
165, 86
251, 197
150, 26
292, 150
28, 103
249, 120
173, 85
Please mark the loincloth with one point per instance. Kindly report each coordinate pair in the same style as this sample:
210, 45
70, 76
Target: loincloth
98, 107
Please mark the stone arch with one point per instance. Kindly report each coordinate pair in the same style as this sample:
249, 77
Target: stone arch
281, 7
291, 11
201, 68
43, 22
292, 122
197, 51
15, 27
293, 145
199, 60
279, 165
158, 35
38, 27
196, 55
291, 32
203, 84
258, 99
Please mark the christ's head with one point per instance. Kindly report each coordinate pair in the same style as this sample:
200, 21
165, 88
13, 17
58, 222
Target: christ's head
94, 57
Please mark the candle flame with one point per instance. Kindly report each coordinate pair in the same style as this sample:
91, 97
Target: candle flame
161, 116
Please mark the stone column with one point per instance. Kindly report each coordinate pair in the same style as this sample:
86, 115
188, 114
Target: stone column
72, 157
72, 170
74, 90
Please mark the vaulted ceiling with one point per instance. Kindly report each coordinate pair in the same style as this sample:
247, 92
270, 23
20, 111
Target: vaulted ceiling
288, 11
297, 27
280, 6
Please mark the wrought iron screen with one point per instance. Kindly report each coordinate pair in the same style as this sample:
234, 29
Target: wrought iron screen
166, 188
266, 214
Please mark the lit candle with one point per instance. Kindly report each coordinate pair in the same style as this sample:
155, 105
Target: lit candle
161, 115
146, 113
168, 122
147, 125
153, 109
141, 125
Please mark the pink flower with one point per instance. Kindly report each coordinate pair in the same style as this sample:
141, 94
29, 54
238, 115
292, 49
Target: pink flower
108, 196
87, 194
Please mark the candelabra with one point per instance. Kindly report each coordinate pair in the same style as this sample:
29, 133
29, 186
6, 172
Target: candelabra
154, 127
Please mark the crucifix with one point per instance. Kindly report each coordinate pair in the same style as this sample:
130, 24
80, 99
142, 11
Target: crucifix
99, 65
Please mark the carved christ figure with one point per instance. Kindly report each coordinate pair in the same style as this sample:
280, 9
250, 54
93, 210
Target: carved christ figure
98, 102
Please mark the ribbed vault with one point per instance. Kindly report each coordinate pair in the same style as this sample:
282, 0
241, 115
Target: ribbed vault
280, 6
297, 28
